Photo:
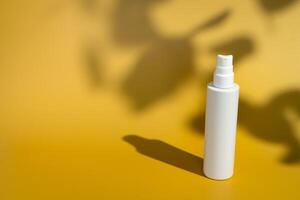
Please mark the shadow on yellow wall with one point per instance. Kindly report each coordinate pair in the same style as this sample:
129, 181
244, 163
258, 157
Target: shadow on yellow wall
269, 122
167, 63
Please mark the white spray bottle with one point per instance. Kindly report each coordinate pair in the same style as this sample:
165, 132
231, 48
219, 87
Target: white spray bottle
220, 121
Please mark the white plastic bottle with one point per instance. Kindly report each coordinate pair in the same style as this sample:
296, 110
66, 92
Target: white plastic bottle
220, 121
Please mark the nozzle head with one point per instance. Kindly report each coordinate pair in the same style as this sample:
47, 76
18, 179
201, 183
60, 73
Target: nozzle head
223, 76
224, 60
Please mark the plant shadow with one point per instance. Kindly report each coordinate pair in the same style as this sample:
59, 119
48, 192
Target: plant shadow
270, 122
271, 6
166, 153
165, 65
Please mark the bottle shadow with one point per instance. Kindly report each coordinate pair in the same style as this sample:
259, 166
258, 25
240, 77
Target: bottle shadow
166, 153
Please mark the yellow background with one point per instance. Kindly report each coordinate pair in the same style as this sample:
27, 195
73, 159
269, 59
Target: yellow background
105, 99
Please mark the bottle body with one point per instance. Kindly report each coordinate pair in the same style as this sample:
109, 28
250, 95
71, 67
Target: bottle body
220, 131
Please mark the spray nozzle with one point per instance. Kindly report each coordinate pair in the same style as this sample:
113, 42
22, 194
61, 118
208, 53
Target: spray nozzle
223, 76
224, 60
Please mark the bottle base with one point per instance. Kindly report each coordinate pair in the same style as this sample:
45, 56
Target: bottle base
217, 178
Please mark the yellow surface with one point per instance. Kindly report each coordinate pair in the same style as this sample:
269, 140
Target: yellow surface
85, 82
